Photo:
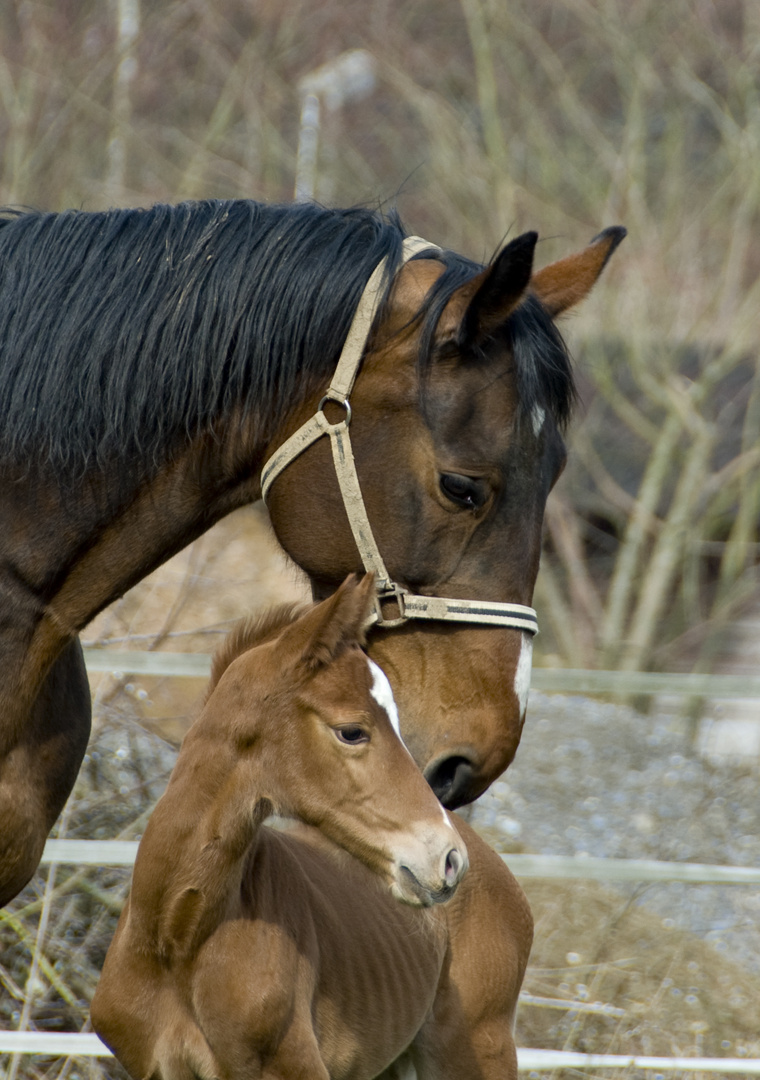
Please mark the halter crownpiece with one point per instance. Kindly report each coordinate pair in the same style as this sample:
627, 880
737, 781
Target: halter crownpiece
388, 593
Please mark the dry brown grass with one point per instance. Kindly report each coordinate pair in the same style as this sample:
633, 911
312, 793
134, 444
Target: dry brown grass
671, 994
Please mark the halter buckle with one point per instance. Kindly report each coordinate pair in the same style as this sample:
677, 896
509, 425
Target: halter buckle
388, 595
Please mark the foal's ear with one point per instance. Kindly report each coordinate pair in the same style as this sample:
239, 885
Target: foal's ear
565, 283
482, 305
322, 633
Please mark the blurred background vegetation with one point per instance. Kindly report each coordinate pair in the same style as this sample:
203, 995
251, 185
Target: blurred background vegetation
482, 118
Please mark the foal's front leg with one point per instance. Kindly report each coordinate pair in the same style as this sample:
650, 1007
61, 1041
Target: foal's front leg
305, 1071
297, 1058
401, 1069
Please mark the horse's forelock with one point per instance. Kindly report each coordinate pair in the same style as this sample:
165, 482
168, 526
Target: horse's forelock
542, 361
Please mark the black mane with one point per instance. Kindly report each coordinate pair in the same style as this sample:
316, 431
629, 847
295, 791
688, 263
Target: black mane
125, 332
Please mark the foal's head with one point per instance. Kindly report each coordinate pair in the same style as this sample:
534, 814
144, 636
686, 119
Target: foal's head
316, 721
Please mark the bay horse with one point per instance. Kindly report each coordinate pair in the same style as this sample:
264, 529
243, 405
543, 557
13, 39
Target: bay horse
153, 361
346, 949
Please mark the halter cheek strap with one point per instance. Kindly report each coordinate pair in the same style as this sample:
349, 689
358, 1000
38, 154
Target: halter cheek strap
388, 593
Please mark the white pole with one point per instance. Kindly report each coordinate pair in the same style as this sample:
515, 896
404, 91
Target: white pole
308, 145
350, 77
128, 29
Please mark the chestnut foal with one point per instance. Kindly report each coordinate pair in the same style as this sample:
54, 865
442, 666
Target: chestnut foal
249, 952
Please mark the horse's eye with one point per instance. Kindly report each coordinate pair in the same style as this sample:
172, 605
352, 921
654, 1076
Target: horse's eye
464, 490
351, 734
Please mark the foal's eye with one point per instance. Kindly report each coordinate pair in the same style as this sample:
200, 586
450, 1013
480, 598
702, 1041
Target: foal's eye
464, 490
351, 734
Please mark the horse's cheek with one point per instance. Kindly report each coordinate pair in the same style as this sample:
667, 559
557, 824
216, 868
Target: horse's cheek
310, 522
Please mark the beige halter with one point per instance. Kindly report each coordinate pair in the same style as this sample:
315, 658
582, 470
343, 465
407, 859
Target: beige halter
408, 605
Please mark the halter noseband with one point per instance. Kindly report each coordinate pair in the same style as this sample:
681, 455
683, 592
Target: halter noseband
408, 605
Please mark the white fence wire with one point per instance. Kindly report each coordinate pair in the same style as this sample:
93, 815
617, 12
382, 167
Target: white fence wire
552, 680
86, 1044
122, 853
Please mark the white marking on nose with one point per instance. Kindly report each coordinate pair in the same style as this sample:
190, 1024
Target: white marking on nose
538, 416
522, 672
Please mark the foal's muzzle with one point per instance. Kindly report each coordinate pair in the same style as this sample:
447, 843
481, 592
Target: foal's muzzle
413, 886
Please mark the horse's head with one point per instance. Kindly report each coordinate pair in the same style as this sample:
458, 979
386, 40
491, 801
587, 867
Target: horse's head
456, 428
317, 721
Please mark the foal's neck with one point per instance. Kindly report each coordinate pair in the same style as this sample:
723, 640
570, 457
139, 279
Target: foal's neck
197, 844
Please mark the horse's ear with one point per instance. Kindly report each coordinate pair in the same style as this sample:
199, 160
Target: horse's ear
485, 303
323, 632
565, 283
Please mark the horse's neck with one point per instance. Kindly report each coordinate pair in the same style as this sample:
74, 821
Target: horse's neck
107, 543
197, 845
156, 518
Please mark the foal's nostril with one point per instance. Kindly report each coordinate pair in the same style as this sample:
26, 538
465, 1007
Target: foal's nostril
452, 780
452, 868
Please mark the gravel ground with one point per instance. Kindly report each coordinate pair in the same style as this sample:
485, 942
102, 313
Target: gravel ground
602, 779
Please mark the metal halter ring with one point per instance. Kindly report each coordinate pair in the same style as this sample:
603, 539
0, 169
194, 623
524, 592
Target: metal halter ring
343, 402
395, 593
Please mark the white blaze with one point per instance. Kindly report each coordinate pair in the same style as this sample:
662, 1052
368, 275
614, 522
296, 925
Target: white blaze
522, 673
383, 694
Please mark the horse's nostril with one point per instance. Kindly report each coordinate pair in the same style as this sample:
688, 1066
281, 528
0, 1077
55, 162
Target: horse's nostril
452, 780
452, 868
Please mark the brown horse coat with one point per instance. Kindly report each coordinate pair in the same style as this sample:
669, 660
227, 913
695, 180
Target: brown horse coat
316, 971
249, 952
